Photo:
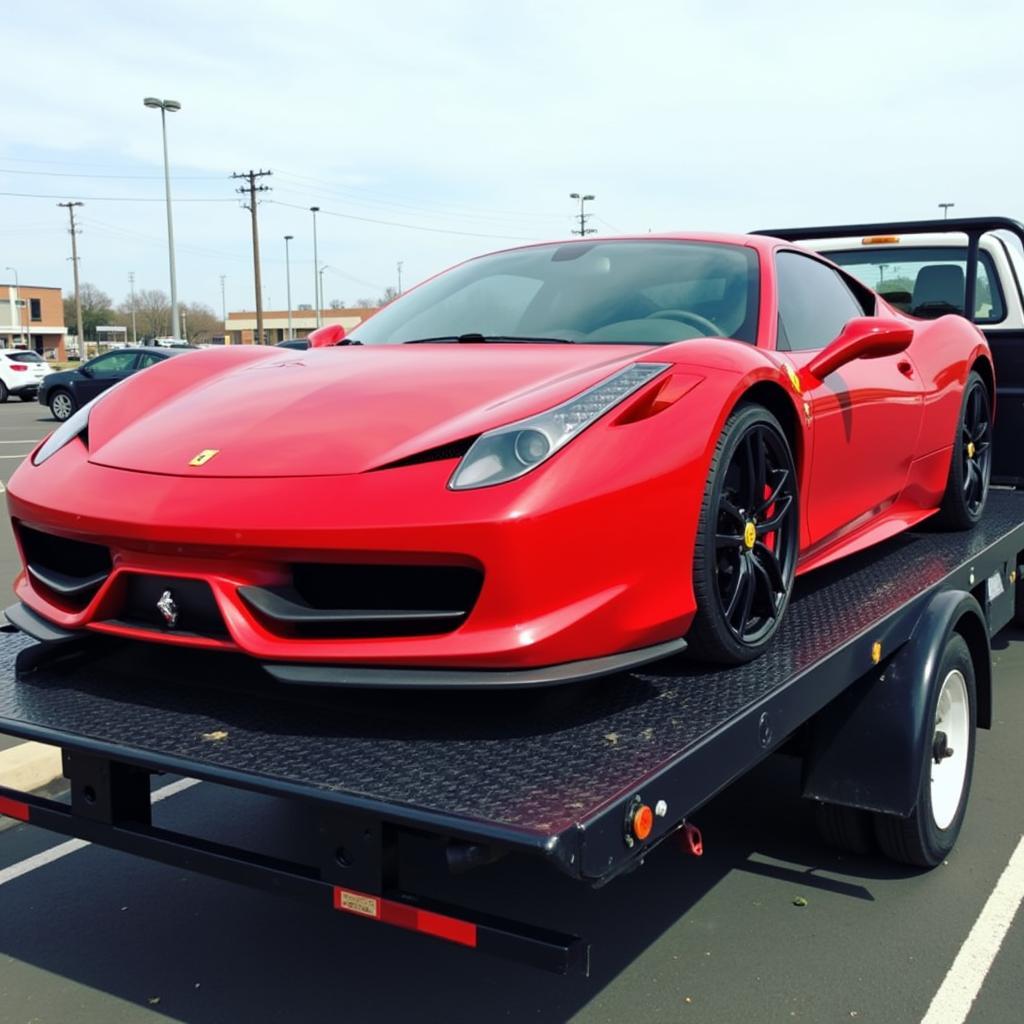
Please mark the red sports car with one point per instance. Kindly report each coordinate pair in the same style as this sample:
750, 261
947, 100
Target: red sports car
545, 464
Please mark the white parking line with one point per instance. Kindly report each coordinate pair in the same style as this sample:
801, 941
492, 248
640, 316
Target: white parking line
23, 456
28, 440
40, 860
962, 983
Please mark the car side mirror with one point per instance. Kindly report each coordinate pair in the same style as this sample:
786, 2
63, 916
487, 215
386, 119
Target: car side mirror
324, 337
863, 337
85, 371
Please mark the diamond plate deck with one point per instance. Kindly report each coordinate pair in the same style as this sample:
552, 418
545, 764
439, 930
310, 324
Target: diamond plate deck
530, 766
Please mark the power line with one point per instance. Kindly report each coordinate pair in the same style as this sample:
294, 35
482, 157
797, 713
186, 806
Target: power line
125, 177
252, 188
111, 199
410, 227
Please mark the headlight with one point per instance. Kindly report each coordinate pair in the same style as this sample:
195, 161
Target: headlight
510, 451
65, 433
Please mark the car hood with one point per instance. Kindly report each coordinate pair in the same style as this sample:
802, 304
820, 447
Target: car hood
334, 411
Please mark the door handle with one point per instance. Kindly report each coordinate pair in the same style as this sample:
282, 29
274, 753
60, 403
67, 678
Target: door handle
906, 367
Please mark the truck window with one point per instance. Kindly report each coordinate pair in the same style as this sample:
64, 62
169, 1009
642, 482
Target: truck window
926, 281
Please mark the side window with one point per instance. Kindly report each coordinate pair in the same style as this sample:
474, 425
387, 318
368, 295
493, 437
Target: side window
814, 302
112, 364
148, 359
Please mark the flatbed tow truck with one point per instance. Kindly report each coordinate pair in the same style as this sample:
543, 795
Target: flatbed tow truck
588, 777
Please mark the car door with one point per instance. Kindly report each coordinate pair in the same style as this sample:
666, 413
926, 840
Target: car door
103, 372
865, 417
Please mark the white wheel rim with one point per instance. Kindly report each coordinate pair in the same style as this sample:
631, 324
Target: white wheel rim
62, 407
952, 717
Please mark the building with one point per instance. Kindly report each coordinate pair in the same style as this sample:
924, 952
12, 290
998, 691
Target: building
32, 315
240, 328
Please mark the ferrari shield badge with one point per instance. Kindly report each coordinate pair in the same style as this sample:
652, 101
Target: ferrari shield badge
794, 378
203, 457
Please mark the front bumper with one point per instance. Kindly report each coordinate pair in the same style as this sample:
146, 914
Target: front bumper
569, 590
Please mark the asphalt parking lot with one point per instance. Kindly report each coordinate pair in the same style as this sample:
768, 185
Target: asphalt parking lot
89, 935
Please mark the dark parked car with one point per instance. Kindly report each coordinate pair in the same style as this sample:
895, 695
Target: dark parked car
294, 343
68, 390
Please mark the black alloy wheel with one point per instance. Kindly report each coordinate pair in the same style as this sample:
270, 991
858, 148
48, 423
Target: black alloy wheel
971, 464
748, 540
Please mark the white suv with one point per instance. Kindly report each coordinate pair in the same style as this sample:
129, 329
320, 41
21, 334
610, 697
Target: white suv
21, 370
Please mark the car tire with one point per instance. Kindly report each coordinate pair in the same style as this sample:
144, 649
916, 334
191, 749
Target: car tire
970, 467
4, 393
929, 834
62, 405
747, 540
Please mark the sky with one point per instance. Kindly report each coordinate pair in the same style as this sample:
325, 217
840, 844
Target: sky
428, 133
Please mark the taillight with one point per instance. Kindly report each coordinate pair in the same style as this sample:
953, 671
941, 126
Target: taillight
18, 366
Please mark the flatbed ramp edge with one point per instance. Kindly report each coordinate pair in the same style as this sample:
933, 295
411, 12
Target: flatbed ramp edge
555, 773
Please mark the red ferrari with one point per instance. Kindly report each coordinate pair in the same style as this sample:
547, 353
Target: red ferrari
547, 463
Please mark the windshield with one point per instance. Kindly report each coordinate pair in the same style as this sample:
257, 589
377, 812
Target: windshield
926, 281
615, 292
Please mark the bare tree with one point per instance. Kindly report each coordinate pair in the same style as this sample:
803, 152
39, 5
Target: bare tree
152, 313
336, 304
202, 322
97, 308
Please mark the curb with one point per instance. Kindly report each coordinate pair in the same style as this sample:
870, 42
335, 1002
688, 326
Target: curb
29, 766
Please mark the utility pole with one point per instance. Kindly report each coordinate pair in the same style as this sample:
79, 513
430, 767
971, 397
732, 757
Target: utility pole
399, 277
74, 262
288, 280
252, 188
584, 217
223, 302
131, 282
184, 324
316, 263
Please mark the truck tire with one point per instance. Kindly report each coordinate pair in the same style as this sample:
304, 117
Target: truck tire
926, 838
845, 828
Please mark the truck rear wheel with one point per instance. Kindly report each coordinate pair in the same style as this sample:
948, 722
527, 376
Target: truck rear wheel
845, 828
926, 838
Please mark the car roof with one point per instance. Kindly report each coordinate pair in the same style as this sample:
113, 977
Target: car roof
158, 350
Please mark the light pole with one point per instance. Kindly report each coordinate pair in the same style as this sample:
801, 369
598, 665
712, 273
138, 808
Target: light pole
288, 281
163, 106
400, 263
322, 269
223, 302
945, 209
316, 263
131, 282
584, 230
16, 310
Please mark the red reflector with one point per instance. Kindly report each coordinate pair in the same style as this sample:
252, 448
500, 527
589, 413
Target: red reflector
401, 915
13, 808
18, 366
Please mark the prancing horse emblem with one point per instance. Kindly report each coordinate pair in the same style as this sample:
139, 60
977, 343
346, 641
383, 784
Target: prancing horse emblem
168, 609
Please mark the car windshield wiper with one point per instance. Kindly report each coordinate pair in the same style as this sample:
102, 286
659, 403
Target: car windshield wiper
473, 338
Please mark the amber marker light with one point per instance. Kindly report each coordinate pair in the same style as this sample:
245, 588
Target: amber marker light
880, 240
643, 822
